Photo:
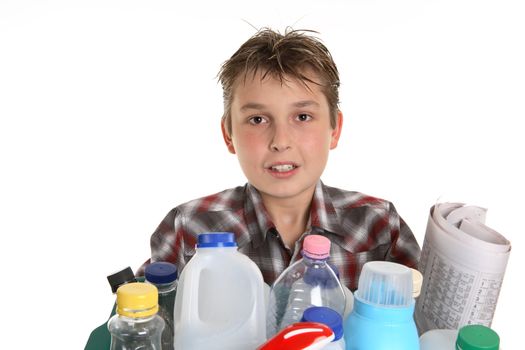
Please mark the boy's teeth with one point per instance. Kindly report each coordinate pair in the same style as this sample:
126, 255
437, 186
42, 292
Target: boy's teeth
284, 167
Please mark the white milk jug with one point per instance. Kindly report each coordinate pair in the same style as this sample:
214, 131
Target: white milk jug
220, 302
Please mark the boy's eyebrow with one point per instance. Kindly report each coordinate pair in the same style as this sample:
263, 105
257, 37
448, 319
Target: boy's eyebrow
252, 105
299, 104
306, 103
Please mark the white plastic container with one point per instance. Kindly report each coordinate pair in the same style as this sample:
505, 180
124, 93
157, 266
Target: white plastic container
472, 337
442, 339
220, 302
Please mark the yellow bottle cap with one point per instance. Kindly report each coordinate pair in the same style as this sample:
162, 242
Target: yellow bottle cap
137, 300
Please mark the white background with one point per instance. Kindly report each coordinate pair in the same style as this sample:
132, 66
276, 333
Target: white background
109, 117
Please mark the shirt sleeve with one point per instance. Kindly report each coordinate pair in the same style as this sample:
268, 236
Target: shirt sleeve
404, 248
167, 242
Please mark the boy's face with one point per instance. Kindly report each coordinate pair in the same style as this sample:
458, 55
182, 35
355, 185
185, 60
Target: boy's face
281, 134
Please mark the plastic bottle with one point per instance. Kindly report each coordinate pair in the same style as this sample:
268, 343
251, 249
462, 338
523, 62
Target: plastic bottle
136, 324
332, 319
220, 298
164, 276
348, 294
308, 282
383, 314
471, 337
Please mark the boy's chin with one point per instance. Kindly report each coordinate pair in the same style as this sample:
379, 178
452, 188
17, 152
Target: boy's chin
285, 191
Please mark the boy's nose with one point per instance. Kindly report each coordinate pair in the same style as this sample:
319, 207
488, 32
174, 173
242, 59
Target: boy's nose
279, 147
281, 139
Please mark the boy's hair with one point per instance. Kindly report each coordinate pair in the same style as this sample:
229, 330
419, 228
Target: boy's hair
277, 55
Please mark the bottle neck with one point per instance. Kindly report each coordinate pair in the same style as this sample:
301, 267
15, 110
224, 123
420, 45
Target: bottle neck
137, 319
165, 287
312, 261
215, 250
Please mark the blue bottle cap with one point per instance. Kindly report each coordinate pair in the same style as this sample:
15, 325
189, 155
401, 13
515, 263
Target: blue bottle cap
161, 272
216, 239
327, 316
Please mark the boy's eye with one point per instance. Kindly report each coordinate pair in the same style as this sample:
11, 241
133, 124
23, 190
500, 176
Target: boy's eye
303, 117
256, 120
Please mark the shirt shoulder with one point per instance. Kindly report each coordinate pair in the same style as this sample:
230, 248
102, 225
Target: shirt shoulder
229, 200
220, 212
359, 222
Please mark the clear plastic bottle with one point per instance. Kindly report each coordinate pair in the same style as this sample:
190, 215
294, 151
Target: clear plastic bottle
471, 337
164, 276
332, 319
308, 282
136, 326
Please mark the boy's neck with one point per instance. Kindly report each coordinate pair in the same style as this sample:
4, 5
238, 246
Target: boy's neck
290, 216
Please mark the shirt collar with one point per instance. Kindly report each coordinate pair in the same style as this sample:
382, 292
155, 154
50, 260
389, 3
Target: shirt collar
323, 216
256, 216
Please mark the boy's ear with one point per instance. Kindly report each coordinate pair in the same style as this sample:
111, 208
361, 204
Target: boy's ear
227, 138
336, 132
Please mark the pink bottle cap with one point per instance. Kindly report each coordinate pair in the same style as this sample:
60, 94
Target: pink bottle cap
316, 247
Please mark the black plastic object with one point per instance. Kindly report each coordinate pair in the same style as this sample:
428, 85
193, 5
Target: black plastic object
121, 277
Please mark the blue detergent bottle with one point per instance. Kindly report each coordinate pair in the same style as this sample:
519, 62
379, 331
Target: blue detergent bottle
383, 314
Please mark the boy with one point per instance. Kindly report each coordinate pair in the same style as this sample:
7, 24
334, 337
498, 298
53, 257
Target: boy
281, 119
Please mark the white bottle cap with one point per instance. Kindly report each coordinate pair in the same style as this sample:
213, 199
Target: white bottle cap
385, 283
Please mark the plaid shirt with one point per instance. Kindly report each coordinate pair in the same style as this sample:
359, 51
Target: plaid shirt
361, 228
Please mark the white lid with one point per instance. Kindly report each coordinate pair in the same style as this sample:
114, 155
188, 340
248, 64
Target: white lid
385, 283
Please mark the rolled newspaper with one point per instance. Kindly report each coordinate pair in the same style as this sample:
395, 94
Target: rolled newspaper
463, 262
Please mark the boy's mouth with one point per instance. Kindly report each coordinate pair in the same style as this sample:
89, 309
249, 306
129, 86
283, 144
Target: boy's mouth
282, 168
